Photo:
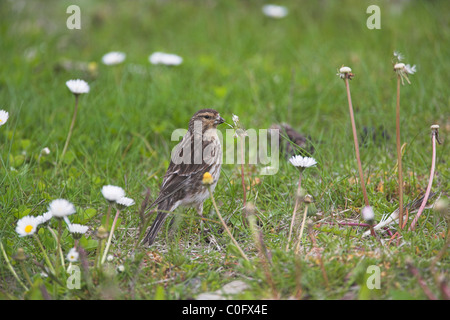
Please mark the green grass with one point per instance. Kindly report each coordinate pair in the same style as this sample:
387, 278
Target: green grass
237, 61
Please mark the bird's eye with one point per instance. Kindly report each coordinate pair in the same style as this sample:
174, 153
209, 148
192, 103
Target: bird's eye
207, 117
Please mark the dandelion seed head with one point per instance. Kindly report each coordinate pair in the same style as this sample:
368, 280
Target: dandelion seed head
274, 11
61, 208
120, 268
368, 214
78, 86
114, 57
410, 69
399, 66
112, 193
235, 119
398, 55
345, 72
168, 59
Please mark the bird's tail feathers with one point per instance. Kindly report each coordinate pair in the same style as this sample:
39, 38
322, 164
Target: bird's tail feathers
156, 226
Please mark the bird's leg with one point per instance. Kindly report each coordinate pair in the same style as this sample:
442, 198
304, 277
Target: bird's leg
211, 238
174, 224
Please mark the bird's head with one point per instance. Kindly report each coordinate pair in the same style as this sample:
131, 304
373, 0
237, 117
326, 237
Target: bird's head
207, 118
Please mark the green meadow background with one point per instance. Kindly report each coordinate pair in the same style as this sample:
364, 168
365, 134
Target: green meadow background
241, 62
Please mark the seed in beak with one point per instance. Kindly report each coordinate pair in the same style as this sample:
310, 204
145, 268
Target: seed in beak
219, 120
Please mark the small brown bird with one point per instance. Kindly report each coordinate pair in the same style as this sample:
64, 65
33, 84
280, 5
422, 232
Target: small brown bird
198, 152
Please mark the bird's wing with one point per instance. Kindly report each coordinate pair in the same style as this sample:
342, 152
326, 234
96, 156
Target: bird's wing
180, 174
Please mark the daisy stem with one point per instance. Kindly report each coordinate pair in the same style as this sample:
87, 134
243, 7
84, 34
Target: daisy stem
295, 210
399, 157
59, 242
10, 267
72, 124
355, 140
110, 237
108, 213
225, 226
297, 248
430, 183
47, 260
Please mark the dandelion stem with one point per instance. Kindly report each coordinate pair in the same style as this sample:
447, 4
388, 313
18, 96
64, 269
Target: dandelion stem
110, 236
355, 139
322, 266
297, 196
72, 124
430, 183
257, 237
225, 225
98, 255
10, 267
399, 157
25, 273
242, 172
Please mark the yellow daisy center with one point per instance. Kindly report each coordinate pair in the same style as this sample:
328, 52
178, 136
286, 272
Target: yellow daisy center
28, 228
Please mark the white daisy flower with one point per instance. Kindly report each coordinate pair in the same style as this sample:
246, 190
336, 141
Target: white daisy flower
44, 218
77, 229
109, 257
27, 226
4, 115
120, 268
46, 150
126, 202
73, 255
304, 162
60, 208
78, 86
368, 214
274, 11
167, 59
113, 193
113, 58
